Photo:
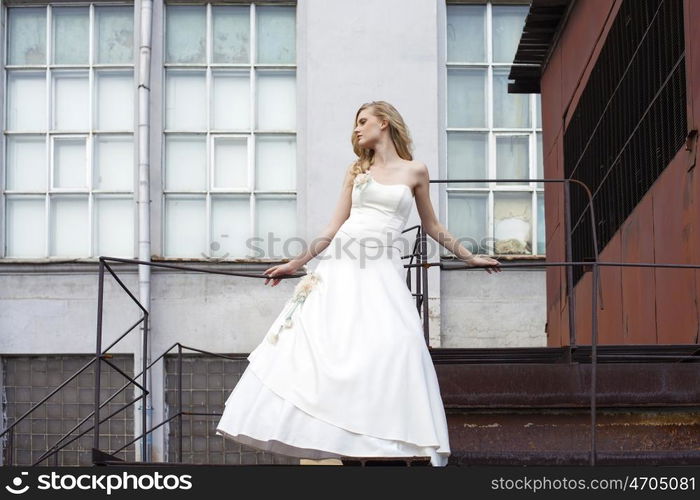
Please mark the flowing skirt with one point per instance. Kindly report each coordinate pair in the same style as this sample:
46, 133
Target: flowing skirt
349, 375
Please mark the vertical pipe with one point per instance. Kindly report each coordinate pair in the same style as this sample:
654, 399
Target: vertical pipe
424, 273
11, 448
569, 269
144, 381
594, 359
419, 260
98, 356
179, 402
144, 187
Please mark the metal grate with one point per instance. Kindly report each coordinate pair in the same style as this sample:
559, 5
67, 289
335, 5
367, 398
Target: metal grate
630, 121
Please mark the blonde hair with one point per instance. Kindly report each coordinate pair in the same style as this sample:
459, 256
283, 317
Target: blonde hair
398, 131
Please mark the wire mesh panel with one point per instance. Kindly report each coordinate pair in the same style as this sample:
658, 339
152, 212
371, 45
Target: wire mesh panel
630, 121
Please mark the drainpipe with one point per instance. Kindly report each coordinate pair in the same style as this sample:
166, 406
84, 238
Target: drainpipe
144, 185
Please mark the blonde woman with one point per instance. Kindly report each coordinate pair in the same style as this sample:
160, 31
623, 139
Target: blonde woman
344, 370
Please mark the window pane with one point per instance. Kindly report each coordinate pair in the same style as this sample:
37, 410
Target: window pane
231, 34
115, 34
26, 163
466, 98
541, 228
115, 100
276, 100
540, 159
69, 226
276, 226
185, 163
275, 33
466, 34
512, 158
114, 163
114, 227
276, 163
467, 220
509, 110
26, 36
185, 100
26, 226
70, 35
508, 23
231, 100
70, 104
467, 158
186, 34
230, 162
538, 110
69, 163
513, 223
26, 100
185, 226
230, 226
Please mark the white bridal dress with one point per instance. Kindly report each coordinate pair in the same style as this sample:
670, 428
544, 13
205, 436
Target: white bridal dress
345, 371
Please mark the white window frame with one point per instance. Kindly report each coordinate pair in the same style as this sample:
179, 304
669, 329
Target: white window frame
212, 134
51, 134
536, 189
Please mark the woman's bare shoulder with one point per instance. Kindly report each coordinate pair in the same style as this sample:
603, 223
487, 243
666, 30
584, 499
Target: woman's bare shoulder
418, 168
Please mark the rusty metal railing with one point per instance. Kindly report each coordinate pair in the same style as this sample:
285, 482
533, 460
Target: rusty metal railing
420, 268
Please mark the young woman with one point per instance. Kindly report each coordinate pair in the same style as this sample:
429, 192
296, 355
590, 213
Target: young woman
344, 370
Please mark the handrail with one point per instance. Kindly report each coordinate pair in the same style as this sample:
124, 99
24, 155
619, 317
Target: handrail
567, 231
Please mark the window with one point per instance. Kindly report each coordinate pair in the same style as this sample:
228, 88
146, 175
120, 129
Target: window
68, 139
491, 134
229, 149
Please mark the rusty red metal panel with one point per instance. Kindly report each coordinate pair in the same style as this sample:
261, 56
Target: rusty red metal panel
551, 99
557, 332
562, 432
658, 306
610, 318
638, 289
559, 335
676, 300
564, 318
582, 313
580, 42
564, 385
691, 9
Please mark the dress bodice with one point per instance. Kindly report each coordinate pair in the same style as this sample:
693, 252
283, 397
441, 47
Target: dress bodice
378, 210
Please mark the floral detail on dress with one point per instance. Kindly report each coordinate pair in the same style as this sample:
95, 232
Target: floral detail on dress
301, 292
361, 180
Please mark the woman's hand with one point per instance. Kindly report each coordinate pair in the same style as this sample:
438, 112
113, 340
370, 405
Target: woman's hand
491, 265
279, 270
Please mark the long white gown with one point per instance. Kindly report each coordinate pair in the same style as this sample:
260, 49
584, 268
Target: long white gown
350, 373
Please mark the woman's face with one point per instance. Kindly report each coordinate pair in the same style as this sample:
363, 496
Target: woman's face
368, 129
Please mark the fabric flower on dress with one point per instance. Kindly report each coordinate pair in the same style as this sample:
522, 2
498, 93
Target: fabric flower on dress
361, 180
301, 292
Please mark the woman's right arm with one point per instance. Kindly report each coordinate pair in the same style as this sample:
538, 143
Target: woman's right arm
340, 215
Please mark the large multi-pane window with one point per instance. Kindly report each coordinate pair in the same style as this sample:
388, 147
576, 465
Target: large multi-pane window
491, 134
68, 132
230, 130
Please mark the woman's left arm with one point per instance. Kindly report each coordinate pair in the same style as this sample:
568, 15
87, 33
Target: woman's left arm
436, 230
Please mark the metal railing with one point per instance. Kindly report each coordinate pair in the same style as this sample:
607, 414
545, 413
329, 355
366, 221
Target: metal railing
420, 268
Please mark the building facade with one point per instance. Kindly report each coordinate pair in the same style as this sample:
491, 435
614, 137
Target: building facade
228, 159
